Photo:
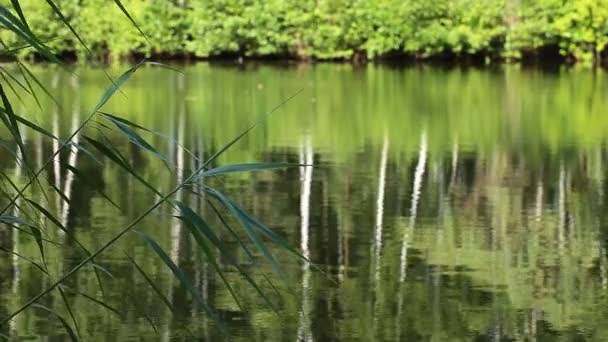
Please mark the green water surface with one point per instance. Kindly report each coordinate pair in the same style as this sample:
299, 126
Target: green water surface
442, 204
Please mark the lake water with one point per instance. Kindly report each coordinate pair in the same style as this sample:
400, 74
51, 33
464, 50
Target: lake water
443, 204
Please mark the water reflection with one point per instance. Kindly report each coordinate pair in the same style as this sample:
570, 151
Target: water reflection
442, 205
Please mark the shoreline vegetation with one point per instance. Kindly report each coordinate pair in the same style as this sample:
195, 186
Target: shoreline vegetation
479, 32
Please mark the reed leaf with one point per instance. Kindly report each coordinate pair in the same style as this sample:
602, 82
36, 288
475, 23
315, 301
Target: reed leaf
150, 282
185, 282
65, 324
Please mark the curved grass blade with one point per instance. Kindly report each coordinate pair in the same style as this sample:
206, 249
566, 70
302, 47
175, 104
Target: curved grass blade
115, 86
199, 229
67, 23
135, 138
23, 67
29, 85
34, 263
117, 158
47, 214
10, 121
246, 224
12, 220
234, 234
65, 324
94, 300
10, 75
179, 275
35, 127
126, 13
165, 66
250, 167
69, 308
55, 221
88, 183
17, 7
14, 25
8, 83
112, 117
159, 293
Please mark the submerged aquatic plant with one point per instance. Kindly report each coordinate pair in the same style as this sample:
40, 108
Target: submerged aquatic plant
36, 219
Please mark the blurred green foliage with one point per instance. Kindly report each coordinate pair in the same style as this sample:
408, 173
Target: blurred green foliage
330, 29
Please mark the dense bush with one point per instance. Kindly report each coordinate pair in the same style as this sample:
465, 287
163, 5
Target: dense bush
331, 29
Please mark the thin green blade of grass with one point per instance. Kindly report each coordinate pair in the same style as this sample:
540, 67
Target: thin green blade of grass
68, 307
164, 66
200, 230
232, 232
12, 77
115, 86
17, 7
12, 220
117, 158
82, 177
202, 227
126, 13
67, 23
65, 324
10, 120
37, 81
38, 237
179, 275
112, 117
150, 282
47, 214
136, 138
30, 124
253, 235
10, 86
29, 85
250, 167
56, 222
22, 257
14, 25
94, 300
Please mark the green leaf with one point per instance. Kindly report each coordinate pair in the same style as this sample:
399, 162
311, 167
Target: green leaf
199, 229
10, 120
23, 67
17, 7
67, 23
113, 155
69, 308
112, 117
221, 170
246, 224
34, 263
82, 177
47, 214
65, 324
178, 274
115, 86
134, 137
94, 300
124, 10
150, 282
13, 24
31, 125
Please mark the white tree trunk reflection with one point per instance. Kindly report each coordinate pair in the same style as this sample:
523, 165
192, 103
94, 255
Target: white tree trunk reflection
418, 177
306, 157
